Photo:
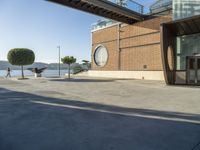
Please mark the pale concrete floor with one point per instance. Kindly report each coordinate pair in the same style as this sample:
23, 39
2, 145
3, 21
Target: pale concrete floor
97, 114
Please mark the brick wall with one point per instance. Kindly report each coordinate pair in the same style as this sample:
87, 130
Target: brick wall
108, 38
139, 46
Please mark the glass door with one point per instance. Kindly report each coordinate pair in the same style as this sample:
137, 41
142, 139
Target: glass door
198, 71
193, 70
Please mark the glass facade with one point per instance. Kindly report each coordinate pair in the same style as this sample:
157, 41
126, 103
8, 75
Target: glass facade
188, 45
185, 8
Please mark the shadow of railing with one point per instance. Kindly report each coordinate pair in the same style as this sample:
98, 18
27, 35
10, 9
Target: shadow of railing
149, 113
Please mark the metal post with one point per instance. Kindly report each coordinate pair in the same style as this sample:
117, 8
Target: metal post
58, 60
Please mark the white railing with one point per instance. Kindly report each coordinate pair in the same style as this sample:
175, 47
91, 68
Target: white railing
103, 24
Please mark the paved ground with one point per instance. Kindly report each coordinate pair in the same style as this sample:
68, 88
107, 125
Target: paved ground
98, 114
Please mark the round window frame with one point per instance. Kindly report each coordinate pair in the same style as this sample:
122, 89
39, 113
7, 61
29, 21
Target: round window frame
96, 48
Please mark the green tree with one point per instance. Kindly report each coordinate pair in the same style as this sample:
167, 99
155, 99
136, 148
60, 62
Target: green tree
21, 57
68, 60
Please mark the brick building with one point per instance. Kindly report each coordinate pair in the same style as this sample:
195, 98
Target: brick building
134, 51
160, 45
163, 46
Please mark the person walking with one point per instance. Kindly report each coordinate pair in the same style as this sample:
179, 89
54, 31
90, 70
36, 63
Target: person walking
8, 73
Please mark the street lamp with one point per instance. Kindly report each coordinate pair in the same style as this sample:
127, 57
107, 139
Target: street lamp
58, 60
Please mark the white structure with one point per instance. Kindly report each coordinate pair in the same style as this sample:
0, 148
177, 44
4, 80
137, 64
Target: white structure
185, 8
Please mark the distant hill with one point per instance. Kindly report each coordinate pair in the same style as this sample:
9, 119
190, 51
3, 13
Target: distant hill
5, 64
52, 66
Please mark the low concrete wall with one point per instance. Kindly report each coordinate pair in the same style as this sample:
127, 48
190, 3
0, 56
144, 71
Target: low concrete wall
147, 75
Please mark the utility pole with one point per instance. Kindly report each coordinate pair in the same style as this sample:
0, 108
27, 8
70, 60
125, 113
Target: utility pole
58, 60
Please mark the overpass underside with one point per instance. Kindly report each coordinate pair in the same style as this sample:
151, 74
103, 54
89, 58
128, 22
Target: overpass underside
105, 9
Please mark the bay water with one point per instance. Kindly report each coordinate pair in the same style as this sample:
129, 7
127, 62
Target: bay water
46, 73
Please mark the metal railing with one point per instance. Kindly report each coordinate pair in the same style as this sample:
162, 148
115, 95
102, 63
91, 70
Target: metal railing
100, 24
130, 4
162, 4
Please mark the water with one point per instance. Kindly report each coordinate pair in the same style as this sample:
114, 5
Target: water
46, 73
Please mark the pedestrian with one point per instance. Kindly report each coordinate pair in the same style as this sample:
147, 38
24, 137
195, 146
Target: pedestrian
8, 72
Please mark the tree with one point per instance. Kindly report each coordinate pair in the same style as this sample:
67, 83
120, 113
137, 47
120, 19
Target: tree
68, 60
21, 57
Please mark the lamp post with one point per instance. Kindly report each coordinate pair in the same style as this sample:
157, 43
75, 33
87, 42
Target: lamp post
58, 60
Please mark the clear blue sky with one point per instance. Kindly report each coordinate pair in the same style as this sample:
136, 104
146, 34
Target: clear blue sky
42, 26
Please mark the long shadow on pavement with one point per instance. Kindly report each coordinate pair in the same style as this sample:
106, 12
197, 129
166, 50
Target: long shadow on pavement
83, 80
32, 122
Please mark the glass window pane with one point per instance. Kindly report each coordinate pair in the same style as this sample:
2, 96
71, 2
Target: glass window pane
186, 46
192, 64
198, 63
185, 8
101, 56
178, 62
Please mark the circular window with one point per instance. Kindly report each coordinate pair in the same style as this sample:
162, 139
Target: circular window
101, 56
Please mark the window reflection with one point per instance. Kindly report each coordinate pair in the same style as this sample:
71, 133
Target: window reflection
192, 63
186, 46
185, 8
101, 56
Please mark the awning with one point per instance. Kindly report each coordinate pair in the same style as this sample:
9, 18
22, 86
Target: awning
184, 26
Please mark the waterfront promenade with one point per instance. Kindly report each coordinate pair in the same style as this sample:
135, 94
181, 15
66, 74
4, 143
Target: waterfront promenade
97, 114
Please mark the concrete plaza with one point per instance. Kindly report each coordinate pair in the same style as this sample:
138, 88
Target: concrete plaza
98, 114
